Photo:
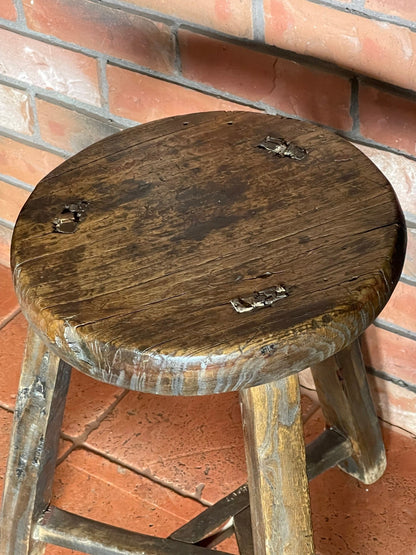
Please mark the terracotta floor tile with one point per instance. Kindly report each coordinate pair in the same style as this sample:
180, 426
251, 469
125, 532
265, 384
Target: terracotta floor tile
6, 421
87, 400
12, 344
8, 300
55, 550
194, 444
350, 517
229, 546
92, 486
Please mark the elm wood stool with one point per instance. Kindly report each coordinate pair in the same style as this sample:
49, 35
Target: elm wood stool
198, 255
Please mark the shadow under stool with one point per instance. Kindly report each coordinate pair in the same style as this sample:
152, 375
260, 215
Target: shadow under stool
196, 255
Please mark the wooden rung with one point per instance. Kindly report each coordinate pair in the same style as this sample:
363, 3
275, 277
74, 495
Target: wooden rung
326, 451
243, 533
217, 537
213, 518
68, 530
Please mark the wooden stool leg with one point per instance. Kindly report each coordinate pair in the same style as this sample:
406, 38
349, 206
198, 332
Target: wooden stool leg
34, 444
278, 485
343, 391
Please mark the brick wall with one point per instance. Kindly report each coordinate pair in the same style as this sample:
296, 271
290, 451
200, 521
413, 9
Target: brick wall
74, 71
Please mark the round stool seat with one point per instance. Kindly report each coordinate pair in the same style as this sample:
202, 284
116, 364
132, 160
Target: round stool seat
207, 253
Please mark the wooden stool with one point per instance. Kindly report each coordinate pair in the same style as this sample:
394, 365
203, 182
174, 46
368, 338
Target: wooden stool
198, 255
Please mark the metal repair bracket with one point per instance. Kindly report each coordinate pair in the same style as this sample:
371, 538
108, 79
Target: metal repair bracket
71, 215
259, 299
282, 148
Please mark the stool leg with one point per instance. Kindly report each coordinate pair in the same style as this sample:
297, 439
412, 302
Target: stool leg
33, 449
343, 391
278, 485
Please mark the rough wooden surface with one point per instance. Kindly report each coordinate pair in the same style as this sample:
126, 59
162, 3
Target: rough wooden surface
342, 387
96, 538
183, 216
34, 443
275, 453
327, 450
243, 532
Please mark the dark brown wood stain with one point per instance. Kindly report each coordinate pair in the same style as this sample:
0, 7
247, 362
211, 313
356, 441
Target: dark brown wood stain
181, 219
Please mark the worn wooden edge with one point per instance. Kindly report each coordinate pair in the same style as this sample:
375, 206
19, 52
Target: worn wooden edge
326, 451
65, 529
230, 364
311, 342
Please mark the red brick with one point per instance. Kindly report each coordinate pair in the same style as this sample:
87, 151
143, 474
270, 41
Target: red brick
5, 240
24, 162
388, 119
401, 308
233, 17
312, 94
8, 301
50, 67
11, 201
400, 8
288, 86
394, 404
15, 110
226, 66
68, 129
409, 269
390, 353
400, 171
113, 32
143, 98
7, 10
380, 50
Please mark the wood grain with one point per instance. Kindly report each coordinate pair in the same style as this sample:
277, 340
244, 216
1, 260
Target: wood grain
275, 453
34, 443
327, 450
188, 213
342, 387
72, 531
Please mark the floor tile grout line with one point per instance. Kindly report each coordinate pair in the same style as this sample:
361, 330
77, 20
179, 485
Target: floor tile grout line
9, 318
66, 454
382, 420
94, 424
144, 474
78, 441
395, 426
